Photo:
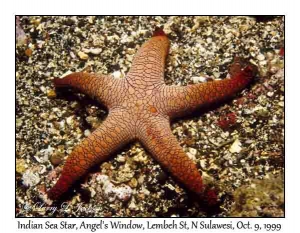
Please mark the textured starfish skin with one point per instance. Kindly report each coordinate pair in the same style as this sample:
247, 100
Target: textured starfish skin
140, 108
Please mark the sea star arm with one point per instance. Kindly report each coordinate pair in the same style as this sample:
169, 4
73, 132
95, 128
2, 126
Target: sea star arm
149, 63
94, 85
109, 137
180, 100
158, 139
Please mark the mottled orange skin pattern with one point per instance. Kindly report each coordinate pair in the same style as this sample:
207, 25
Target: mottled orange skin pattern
140, 108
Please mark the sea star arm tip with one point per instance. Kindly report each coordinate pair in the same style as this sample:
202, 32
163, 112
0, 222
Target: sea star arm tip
157, 137
159, 32
109, 137
94, 85
149, 63
195, 96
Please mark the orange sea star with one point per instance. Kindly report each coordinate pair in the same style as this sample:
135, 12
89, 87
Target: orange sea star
140, 108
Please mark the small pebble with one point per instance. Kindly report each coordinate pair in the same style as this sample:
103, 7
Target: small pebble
70, 120
56, 159
216, 74
200, 79
133, 183
91, 19
262, 112
117, 74
31, 177
44, 115
121, 159
203, 164
260, 57
43, 89
236, 146
132, 205
19, 122
20, 166
51, 94
94, 51
281, 104
28, 52
87, 132
192, 153
83, 56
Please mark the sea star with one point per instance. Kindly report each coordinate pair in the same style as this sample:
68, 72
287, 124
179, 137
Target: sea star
140, 108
